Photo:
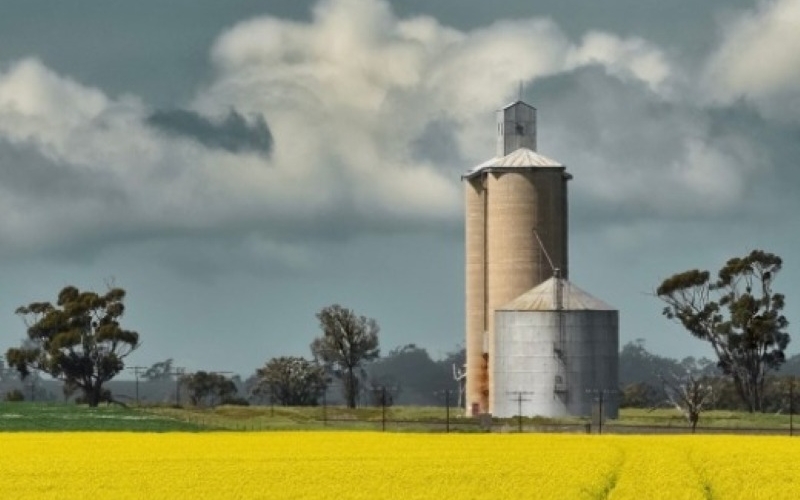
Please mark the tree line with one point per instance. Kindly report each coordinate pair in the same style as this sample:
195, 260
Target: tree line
645, 379
79, 340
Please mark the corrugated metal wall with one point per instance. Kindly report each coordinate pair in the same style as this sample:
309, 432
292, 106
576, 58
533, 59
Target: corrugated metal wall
526, 361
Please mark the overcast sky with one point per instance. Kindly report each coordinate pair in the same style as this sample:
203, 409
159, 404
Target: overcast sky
238, 165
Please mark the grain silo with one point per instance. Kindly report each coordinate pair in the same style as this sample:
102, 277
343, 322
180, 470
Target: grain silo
555, 349
516, 207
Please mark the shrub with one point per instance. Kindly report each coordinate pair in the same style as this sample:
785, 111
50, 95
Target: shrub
15, 395
236, 401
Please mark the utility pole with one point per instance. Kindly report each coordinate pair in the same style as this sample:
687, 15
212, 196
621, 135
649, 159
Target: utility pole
383, 408
447, 411
600, 428
791, 406
446, 393
178, 372
600, 397
327, 381
325, 407
383, 402
225, 373
136, 377
519, 398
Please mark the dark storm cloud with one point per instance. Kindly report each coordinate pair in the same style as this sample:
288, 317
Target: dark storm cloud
233, 134
637, 156
438, 143
26, 173
779, 141
774, 185
124, 47
686, 25
47, 203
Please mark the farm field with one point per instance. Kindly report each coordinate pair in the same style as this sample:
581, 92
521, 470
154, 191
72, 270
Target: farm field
70, 417
372, 465
32, 416
631, 420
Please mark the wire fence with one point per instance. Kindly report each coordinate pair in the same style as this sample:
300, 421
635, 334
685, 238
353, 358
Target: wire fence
389, 423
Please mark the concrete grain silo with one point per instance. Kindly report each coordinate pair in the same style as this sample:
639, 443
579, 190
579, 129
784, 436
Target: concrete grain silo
516, 235
555, 348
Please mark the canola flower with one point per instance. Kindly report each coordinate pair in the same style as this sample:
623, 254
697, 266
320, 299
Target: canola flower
370, 465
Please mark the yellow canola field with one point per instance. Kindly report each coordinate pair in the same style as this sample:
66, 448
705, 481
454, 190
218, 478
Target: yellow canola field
367, 465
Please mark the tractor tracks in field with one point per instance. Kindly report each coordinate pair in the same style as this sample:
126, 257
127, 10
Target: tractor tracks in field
705, 482
612, 478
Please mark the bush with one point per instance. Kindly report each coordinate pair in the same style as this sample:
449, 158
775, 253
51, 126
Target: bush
15, 395
105, 397
236, 401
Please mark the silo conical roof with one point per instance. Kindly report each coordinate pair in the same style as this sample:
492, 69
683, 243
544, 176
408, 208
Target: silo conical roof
521, 158
543, 297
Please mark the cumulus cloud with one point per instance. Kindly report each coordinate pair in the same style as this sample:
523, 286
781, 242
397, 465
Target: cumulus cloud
39, 105
371, 119
758, 60
631, 59
385, 94
362, 72
86, 168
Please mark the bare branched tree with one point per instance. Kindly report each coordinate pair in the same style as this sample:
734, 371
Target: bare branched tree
690, 393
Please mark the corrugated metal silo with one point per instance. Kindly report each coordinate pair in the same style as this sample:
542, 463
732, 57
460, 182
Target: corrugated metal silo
509, 201
557, 346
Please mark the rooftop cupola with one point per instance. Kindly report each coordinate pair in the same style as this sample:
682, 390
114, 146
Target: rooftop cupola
516, 128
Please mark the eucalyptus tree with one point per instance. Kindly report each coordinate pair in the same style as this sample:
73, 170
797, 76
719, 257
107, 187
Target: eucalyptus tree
739, 314
79, 340
208, 388
347, 342
291, 381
